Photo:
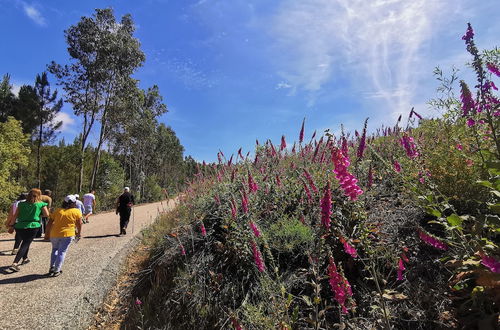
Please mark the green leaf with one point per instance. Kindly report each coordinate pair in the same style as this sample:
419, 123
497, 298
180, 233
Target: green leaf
485, 183
455, 220
433, 212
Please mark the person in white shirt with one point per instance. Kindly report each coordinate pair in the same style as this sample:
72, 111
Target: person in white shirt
79, 205
88, 204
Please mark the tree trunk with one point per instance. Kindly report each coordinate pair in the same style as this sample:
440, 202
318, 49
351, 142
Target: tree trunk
97, 158
38, 151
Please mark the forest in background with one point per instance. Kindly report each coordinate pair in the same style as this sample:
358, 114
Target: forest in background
132, 149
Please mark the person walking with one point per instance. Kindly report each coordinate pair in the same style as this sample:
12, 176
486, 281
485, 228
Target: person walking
64, 225
12, 211
28, 215
79, 205
88, 204
124, 205
47, 198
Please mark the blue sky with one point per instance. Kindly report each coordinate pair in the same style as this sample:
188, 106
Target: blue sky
234, 71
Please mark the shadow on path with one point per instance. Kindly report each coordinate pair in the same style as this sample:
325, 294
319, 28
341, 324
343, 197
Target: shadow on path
101, 236
23, 279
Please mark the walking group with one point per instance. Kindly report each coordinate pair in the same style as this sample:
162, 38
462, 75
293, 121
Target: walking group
32, 216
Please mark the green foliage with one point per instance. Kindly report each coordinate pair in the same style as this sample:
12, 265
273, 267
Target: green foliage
289, 235
13, 155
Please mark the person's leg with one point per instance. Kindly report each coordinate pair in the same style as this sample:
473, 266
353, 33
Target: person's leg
124, 219
17, 240
61, 252
53, 256
27, 236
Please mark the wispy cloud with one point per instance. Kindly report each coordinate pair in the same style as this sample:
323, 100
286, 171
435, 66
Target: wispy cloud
189, 74
67, 122
376, 45
34, 14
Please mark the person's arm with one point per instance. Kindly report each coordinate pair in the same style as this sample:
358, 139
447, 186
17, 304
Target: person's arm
45, 211
93, 203
9, 216
13, 218
79, 227
49, 227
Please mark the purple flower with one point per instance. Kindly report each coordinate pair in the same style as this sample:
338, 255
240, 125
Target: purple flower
471, 122
469, 34
491, 263
301, 134
326, 206
138, 302
432, 241
397, 166
347, 181
257, 257
252, 185
310, 181
348, 248
408, 143
340, 286
283, 143
468, 103
203, 230
401, 268
254, 228
493, 69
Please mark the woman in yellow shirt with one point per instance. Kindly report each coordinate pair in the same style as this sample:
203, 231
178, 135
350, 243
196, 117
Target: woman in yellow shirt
65, 223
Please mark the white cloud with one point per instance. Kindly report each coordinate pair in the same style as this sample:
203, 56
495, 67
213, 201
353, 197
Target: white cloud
376, 45
16, 88
283, 85
34, 14
68, 121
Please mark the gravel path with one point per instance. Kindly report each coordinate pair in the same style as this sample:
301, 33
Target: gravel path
31, 300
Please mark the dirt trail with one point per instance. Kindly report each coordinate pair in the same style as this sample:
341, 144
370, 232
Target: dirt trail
31, 300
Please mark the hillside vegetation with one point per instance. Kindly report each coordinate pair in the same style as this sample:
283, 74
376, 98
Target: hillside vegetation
394, 229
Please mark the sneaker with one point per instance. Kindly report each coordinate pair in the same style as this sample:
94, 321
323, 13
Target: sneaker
14, 252
25, 261
55, 274
14, 268
124, 231
52, 270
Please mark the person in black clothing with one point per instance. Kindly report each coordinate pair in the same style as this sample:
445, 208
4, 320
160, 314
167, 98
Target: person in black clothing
124, 207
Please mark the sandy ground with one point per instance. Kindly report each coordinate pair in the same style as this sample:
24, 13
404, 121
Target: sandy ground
31, 300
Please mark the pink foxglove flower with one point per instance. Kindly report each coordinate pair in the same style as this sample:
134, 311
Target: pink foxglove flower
308, 193
397, 166
138, 302
340, 286
370, 177
217, 199
203, 230
236, 324
252, 185
468, 103
408, 143
254, 228
257, 257
278, 181
326, 206
432, 241
283, 143
491, 263
493, 69
469, 34
310, 181
401, 268
183, 251
348, 248
240, 154
244, 201
301, 134
234, 209
347, 181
